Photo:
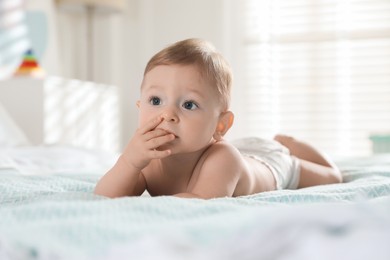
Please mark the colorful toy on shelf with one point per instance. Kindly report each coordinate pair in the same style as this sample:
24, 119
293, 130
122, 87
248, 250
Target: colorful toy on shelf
29, 66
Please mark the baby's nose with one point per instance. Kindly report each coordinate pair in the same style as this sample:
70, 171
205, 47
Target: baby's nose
170, 116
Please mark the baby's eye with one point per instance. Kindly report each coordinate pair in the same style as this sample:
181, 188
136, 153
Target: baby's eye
155, 101
190, 105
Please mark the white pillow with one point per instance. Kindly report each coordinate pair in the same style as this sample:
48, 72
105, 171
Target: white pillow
10, 132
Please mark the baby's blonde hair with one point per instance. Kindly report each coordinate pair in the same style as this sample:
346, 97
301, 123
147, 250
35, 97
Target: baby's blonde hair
201, 53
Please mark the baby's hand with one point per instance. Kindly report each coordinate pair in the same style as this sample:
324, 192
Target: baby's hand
142, 148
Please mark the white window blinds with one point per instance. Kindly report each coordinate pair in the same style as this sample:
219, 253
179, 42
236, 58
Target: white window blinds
318, 70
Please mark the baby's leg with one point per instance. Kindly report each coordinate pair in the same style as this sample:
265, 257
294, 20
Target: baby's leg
316, 168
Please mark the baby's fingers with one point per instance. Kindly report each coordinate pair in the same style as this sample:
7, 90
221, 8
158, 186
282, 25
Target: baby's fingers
154, 143
154, 134
151, 125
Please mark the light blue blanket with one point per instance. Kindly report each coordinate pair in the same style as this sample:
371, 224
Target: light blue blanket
58, 217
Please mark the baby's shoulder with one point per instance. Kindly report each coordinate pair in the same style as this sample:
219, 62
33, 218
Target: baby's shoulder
223, 152
223, 164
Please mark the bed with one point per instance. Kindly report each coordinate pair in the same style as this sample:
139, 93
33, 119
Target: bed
48, 211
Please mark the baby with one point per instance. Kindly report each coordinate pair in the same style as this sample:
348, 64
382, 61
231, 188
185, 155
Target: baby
179, 149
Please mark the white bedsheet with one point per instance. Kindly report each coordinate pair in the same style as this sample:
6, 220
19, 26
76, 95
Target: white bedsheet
48, 211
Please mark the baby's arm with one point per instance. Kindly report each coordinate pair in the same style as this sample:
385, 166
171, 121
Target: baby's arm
219, 174
125, 177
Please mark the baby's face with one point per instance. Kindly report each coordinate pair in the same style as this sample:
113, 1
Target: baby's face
187, 102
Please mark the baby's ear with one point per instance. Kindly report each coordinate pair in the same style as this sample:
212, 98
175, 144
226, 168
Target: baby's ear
137, 103
225, 122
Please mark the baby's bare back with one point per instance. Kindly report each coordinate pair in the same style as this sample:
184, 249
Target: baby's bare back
257, 178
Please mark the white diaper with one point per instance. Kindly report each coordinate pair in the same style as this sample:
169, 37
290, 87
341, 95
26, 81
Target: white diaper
275, 156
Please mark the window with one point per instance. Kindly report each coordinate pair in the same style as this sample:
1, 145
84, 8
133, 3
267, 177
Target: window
318, 70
